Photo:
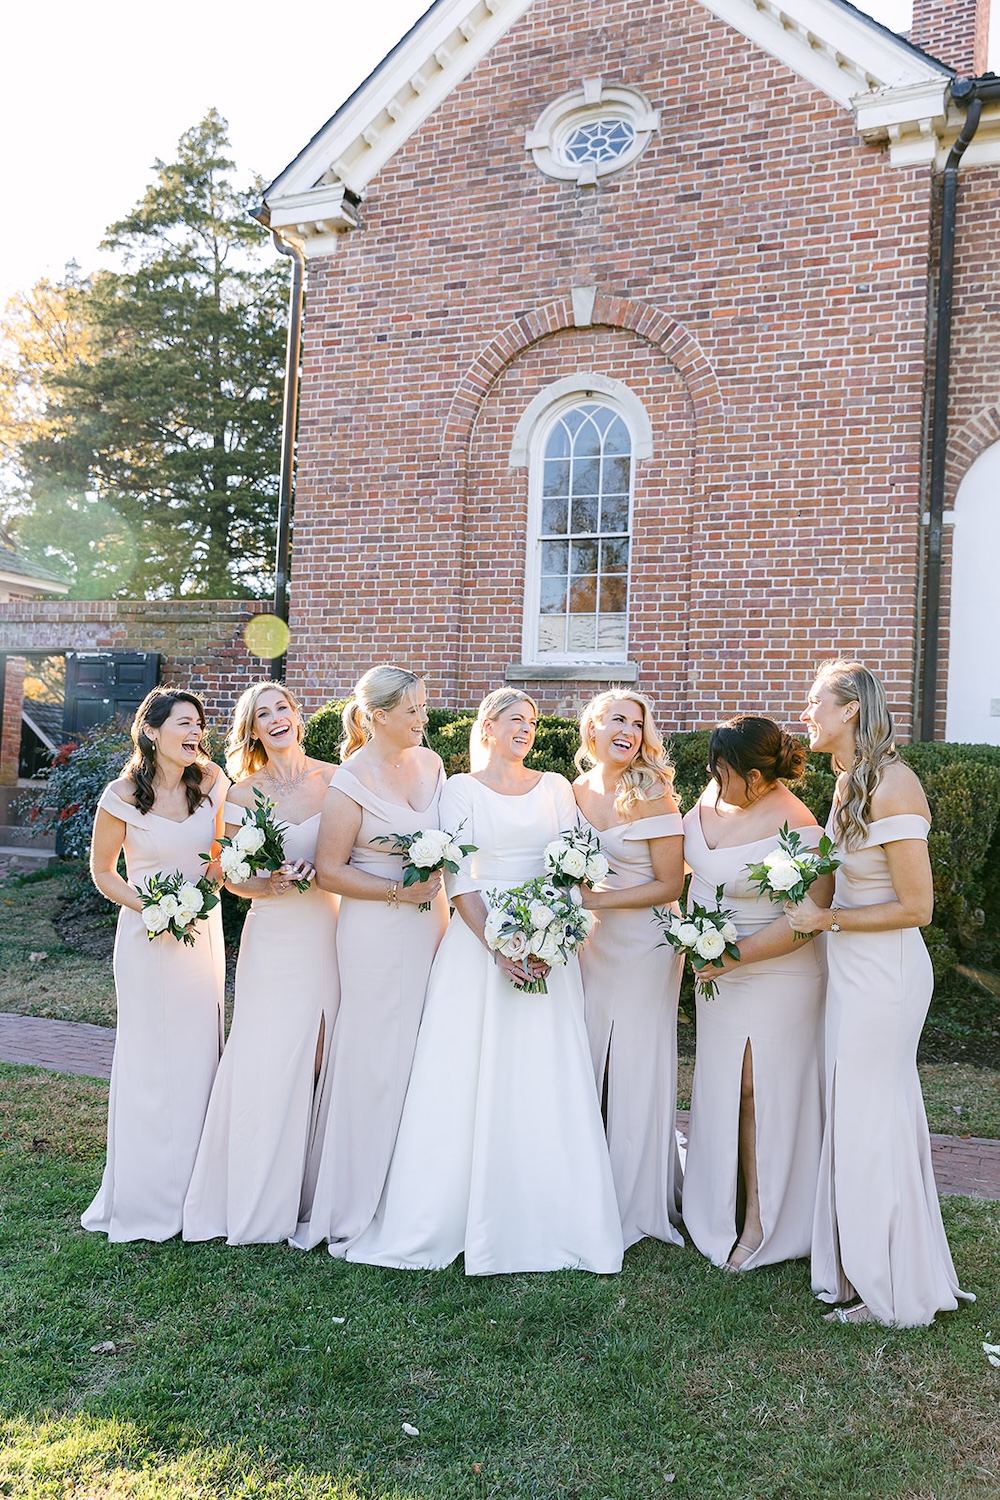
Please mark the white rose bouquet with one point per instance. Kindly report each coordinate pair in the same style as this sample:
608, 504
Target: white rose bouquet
575, 858
788, 871
425, 851
258, 844
173, 904
536, 920
705, 936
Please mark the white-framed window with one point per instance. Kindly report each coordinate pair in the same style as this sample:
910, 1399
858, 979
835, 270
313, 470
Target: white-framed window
595, 130
580, 440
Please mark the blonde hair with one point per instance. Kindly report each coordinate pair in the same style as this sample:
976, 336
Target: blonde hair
875, 747
492, 706
244, 751
650, 775
381, 687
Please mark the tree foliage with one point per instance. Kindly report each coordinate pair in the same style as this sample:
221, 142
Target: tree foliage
140, 425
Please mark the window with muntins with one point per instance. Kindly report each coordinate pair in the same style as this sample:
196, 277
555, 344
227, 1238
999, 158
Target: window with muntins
583, 505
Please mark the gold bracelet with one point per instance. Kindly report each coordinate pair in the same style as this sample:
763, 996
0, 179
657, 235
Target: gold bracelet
392, 893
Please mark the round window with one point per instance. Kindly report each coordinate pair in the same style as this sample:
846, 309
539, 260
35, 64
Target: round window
592, 132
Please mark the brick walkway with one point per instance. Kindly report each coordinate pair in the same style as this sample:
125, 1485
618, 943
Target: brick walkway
964, 1166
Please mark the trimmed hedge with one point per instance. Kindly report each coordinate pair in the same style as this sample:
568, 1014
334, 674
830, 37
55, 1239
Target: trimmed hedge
962, 783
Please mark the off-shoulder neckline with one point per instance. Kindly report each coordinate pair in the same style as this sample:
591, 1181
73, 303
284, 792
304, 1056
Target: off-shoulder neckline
767, 838
177, 822
344, 771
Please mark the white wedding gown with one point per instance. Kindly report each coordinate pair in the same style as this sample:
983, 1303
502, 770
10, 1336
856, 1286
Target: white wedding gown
501, 1151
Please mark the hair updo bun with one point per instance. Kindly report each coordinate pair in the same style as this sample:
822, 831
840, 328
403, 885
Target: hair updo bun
751, 742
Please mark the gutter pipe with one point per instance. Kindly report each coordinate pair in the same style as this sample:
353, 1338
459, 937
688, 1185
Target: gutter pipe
971, 94
293, 351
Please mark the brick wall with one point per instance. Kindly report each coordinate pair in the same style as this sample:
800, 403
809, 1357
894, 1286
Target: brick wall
956, 32
775, 525
10, 719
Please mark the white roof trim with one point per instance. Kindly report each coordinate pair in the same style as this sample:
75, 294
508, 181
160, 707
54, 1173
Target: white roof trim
895, 92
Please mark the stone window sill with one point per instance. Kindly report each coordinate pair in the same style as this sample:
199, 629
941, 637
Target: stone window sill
566, 671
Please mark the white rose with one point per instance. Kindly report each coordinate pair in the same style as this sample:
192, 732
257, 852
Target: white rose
516, 946
711, 944
191, 898
597, 867
574, 863
550, 951
688, 934
783, 876
155, 918
452, 852
776, 857
170, 906
239, 873
540, 915
576, 895
248, 838
729, 933
427, 848
494, 925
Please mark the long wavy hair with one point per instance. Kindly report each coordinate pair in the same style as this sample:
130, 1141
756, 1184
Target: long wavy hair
650, 774
244, 751
381, 687
752, 742
874, 745
492, 706
140, 768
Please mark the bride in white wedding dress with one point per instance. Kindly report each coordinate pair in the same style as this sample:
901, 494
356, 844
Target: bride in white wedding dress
501, 1151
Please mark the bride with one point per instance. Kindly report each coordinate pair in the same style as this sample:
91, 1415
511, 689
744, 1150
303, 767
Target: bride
501, 1150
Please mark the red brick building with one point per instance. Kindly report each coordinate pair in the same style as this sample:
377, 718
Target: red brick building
618, 339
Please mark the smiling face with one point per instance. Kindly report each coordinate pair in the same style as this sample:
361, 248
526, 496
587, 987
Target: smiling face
830, 723
276, 721
178, 738
617, 734
512, 733
403, 726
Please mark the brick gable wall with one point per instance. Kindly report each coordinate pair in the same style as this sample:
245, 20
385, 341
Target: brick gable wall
774, 528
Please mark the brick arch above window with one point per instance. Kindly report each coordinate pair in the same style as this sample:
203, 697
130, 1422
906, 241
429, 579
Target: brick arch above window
657, 327
584, 385
965, 446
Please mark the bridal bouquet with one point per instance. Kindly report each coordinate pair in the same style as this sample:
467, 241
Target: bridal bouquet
425, 851
172, 904
788, 871
704, 936
575, 858
257, 845
536, 920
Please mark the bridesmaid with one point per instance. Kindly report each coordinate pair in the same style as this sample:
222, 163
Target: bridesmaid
878, 1233
163, 811
389, 783
247, 1179
626, 797
756, 1123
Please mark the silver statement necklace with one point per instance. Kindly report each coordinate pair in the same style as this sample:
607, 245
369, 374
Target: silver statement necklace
282, 786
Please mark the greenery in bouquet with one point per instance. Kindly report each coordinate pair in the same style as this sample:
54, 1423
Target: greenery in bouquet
788, 872
424, 852
257, 845
536, 920
705, 935
172, 904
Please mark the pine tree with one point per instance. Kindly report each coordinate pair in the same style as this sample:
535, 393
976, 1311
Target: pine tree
151, 456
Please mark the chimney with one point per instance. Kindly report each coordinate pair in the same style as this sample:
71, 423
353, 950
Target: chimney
953, 31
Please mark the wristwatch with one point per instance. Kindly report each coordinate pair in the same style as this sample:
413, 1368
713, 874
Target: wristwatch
835, 925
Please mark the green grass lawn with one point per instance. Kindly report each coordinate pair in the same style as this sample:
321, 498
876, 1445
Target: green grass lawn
266, 1373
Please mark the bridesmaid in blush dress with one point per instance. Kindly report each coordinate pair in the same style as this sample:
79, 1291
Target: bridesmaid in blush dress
388, 783
878, 1234
247, 1180
630, 984
164, 811
501, 1151
756, 1123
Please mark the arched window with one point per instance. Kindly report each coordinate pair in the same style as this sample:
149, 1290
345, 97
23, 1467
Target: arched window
581, 478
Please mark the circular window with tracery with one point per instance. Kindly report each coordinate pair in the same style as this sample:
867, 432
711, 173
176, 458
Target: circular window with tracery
594, 131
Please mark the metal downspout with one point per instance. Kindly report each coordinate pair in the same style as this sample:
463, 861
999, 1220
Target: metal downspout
293, 350
969, 92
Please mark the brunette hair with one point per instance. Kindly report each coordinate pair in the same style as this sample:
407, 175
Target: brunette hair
381, 687
650, 774
874, 745
244, 751
140, 768
751, 742
492, 706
